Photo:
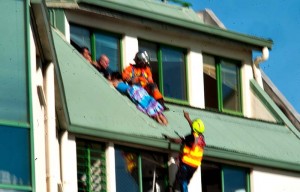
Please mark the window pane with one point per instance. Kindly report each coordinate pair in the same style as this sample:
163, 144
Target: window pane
211, 177
127, 178
174, 75
152, 50
80, 37
91, 167
230, 88
13, 71
235, 180
210, 82
15, 158
109, 45
154, 172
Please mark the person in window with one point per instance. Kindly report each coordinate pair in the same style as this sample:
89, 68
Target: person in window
103, 63
140, 74
191, 153
85, 52
140, 97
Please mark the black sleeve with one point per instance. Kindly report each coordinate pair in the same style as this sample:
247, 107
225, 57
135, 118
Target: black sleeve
189, 140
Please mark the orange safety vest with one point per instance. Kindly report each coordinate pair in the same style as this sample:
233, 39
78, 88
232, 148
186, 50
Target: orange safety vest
192, 156
143, 74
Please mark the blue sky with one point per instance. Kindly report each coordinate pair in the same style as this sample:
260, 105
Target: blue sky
278, 20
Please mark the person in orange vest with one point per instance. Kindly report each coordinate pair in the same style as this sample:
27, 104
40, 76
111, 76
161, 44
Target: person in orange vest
140, 74
191, 153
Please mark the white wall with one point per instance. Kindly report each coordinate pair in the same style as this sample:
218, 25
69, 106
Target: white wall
110, 167
130, 48
68, 162
195, 182
38, 119
196, 84
274, 181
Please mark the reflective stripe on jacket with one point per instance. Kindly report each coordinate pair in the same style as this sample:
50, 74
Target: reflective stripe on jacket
144, 75
192, 156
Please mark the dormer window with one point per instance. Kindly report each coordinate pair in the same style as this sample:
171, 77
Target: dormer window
222, 89
98, 42
169, 69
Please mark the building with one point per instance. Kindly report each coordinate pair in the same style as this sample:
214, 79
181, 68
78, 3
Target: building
65, 128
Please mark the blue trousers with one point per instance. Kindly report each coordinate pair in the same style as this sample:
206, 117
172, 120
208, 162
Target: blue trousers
183, 177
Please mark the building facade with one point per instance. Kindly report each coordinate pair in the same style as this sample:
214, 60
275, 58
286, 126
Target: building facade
65, 128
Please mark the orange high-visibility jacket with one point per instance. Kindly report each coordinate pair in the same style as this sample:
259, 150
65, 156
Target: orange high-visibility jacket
192, 156
135, 74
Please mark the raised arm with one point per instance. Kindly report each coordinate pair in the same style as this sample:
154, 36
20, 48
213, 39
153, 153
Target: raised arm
187, 117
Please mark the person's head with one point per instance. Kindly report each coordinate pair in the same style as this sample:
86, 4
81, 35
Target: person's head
103, 61
116, 75
198, 126
142, 59
85, 52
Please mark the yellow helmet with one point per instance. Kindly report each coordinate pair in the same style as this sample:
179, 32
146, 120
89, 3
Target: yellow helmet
198, 126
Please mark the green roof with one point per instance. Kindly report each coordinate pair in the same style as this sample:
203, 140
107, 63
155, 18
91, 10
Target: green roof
165, 13
91, 106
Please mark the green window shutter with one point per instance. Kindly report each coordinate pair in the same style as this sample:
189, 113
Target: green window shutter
91, 167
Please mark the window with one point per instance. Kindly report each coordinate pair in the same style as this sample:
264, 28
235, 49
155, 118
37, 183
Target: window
140, 171
98, 43
222, 89
13, 71
168, 68
91, 166
222, 178
16, 162
15, 166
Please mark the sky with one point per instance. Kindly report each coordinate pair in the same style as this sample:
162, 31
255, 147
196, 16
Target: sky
278, 20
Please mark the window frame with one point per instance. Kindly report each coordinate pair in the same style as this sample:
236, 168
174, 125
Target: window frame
139, 153
247, 176
28, 122
218, 68
83, 145
160, 75
92, 35
222, 166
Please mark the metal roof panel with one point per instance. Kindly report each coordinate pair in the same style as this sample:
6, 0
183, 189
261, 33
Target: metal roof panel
95, 108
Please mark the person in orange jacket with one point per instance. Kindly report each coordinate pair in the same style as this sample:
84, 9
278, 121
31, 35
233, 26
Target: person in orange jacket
191, 154
141, 74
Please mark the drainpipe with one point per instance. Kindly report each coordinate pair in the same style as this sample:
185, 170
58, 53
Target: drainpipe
255, 65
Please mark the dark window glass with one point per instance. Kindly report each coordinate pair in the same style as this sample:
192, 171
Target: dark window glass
235, 179
154, 172
171, 65
140, 171
13, 71
127, 176
152, 50
211, 177
174, 74
108, 45
221, 84
80, 37
230, 86
15, 166
210, 82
